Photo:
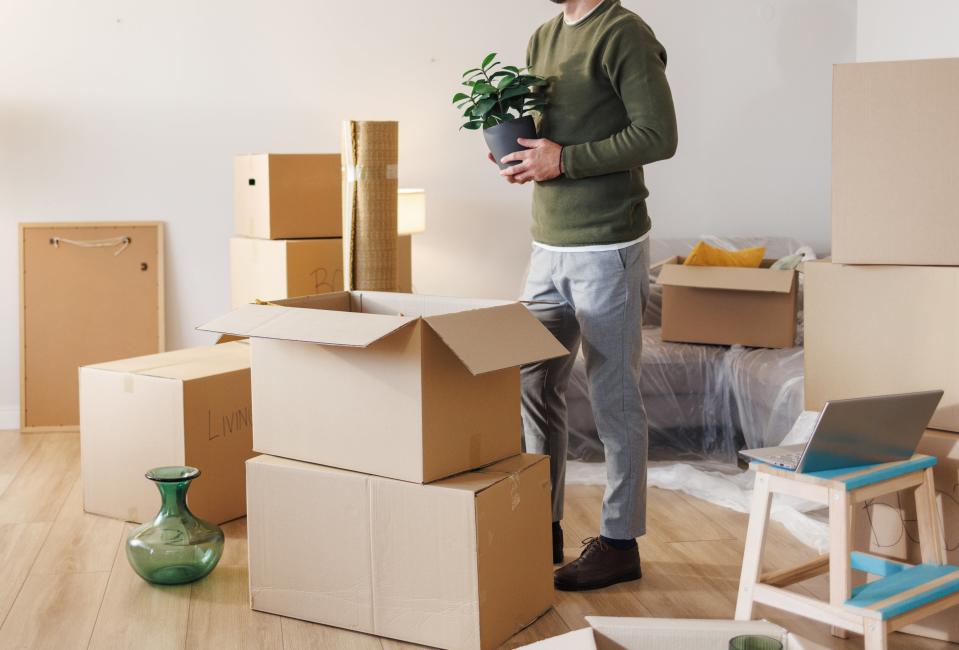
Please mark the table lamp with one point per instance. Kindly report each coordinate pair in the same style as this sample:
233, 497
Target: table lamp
410, 220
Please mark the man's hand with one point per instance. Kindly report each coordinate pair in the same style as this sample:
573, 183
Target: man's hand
541, 162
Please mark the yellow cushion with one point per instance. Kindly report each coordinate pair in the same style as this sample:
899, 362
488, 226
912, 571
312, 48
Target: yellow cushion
705, 255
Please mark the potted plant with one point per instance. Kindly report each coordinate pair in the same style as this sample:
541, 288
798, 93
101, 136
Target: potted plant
500, 102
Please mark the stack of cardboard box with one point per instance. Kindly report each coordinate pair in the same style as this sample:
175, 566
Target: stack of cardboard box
881, 317
395, 499
289, 225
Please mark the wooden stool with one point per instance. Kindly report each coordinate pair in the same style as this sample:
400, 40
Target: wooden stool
901, 595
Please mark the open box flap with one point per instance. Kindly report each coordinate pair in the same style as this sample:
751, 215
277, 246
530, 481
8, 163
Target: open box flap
486, 477
496, 337
730, 278
322, 326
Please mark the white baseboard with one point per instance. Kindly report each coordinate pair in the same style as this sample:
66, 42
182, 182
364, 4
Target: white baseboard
9, 416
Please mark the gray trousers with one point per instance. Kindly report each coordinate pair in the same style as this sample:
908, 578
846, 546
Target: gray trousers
598, 301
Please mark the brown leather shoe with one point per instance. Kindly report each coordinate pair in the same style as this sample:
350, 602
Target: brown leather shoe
599, 565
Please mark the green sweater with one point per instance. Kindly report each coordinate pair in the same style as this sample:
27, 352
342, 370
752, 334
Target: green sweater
611, 108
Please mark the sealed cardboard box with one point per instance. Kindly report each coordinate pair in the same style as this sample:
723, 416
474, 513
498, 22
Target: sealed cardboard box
187, 407
461, 563
399, 385
615, 633
874, 330
288, 196
895, 169
755, 307
893, 529
267, 269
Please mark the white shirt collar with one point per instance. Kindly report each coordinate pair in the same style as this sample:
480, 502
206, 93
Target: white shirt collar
584, 17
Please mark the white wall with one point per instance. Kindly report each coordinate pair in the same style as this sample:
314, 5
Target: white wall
907, 29
113, 110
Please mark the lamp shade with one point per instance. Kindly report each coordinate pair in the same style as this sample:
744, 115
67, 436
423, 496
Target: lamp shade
411, 212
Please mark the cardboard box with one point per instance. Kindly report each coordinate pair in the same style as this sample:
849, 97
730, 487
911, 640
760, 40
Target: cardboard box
894, 532
729, 306
874, 330
613, 633
188, 407
462, 563
268, 269
398, 385
288, 196
895, 169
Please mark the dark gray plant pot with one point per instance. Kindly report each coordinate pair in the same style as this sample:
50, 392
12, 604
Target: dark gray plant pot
501, 139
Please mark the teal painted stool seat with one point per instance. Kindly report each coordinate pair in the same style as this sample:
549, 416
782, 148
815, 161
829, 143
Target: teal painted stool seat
901, 593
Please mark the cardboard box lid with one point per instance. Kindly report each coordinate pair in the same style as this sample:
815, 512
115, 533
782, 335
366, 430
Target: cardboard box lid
674, 274
484, 335
184, 365
321, 326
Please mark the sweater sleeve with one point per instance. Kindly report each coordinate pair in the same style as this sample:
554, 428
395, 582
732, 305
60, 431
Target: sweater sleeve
635, 63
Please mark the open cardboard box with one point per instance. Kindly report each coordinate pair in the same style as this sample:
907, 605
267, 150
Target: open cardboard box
187, 407
460, 563
405, 386
614, 633
755, 307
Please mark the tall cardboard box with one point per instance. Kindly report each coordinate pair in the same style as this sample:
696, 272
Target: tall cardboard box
461, 563
288, 196
895, 168
874, 330
398, 385
729, 306
894, 533
267, 269
188, 407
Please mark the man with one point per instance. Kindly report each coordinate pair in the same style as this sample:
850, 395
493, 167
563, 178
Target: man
610, 112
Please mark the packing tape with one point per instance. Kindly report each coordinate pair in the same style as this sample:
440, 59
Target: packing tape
514, 490
356, 173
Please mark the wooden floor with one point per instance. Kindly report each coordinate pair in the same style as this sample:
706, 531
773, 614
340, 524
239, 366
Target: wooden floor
65, 582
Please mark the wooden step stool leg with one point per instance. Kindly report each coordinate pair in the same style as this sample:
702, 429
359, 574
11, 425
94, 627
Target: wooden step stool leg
753, 552
877, 635
931, 537
840, 573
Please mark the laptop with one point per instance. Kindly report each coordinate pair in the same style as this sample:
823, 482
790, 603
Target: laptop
857, 432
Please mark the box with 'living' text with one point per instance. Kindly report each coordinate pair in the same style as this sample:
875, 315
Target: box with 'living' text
398, 385
187, 407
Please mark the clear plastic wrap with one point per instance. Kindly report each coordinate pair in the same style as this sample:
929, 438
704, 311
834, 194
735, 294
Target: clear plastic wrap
703, 402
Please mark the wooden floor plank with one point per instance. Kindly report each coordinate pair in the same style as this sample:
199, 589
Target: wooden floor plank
55, 611
78, 542
301, 635
137, 614
676, 520
43, 481
220, 614
14, 451
19, 546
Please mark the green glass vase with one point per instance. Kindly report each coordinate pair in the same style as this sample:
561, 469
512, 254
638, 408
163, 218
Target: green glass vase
176, 547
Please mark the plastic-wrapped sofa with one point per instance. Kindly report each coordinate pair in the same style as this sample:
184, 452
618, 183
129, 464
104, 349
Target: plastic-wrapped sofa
703, 402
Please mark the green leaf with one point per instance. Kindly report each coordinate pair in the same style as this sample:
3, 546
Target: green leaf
489, 59
483, 107
511, 68
500, 73
483, 88
504, 82
471, 71
458, 97
469, 83
472, 126
516, 91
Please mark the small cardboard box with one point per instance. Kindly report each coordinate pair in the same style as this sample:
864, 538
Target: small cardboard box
288, 196
461, 563
268, 269
614, 633
187, 407
729, 306
894, 533
399, 385
895, 167
874, 330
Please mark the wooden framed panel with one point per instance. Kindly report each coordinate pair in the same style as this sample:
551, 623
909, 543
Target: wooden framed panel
89, 293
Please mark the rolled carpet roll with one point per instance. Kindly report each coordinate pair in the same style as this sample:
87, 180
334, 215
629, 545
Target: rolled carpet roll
370, 154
